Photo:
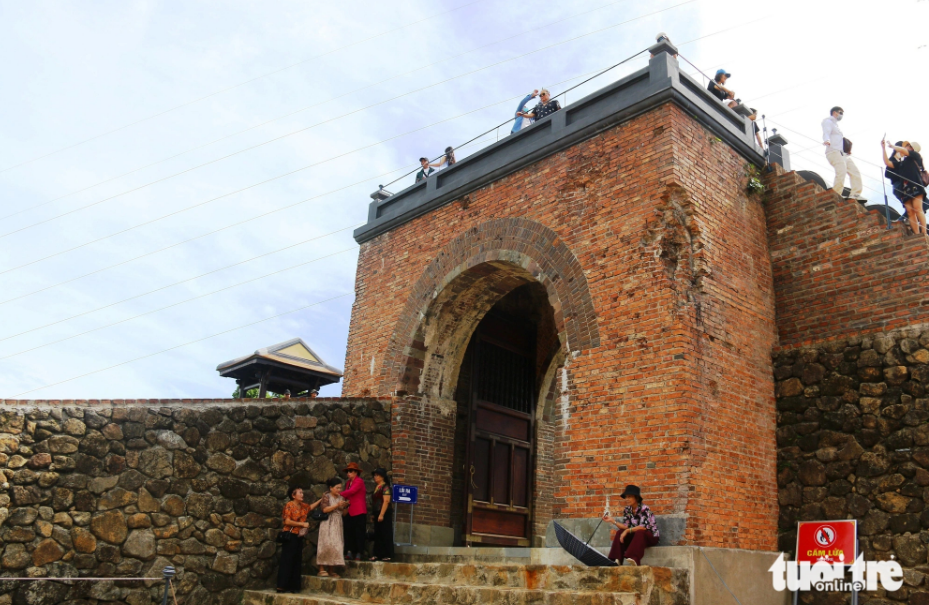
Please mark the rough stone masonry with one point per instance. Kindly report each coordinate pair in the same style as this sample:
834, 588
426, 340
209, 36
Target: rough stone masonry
119, 488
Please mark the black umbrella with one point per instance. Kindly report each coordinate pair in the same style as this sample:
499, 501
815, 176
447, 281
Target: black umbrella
585, 554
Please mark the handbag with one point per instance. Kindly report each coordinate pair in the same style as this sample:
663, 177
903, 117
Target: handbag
923, 174
846, 146
284, 537
318, 514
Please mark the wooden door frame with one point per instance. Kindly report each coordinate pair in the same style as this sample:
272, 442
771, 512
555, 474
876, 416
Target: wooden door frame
473, 405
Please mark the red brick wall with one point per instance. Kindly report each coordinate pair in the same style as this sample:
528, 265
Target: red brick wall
672, 387
837, 270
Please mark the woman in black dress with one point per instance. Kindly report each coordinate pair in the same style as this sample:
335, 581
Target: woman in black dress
904, 170
383, 523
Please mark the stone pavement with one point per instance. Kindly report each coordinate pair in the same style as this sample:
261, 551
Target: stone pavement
487, 583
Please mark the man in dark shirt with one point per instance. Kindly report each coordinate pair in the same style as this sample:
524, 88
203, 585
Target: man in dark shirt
716, 88
546, 107
425, 171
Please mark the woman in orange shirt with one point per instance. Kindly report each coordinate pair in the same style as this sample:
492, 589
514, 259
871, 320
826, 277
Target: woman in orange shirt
295, 527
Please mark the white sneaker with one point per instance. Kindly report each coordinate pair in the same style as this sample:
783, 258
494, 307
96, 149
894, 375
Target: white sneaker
630, 563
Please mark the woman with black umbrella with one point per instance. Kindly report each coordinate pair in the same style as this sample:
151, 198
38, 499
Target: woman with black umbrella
637, 531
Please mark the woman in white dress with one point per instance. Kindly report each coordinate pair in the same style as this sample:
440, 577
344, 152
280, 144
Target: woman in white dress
331, 540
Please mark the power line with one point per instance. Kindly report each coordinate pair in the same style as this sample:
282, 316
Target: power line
240, 84
406, 73
242, 222
297, 203
190, 342
216, 270
187, 300
177, 283
209, 201
292, 133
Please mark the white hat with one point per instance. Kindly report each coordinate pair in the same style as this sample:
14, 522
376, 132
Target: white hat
915, 146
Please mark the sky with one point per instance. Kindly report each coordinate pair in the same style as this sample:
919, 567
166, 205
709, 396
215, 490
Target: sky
179, 181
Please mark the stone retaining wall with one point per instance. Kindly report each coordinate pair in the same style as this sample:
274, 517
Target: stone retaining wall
126, 488
853, 442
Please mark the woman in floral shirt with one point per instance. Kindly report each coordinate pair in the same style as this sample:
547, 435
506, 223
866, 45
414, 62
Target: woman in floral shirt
295, 527
637, 531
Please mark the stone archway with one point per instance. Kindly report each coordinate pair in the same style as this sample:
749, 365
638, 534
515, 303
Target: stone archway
467, 278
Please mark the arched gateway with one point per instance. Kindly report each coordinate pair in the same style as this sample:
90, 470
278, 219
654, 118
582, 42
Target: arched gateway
610, 257
484, 332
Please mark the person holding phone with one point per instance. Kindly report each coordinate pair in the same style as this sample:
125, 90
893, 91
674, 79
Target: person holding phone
904, 168
520, 122
545, 107
637, 531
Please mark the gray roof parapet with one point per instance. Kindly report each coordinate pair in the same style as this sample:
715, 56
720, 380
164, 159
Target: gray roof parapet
661, 82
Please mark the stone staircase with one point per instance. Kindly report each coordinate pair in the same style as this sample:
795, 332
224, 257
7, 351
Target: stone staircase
487, 584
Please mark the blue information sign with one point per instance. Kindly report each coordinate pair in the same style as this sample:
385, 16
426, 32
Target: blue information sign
405, 493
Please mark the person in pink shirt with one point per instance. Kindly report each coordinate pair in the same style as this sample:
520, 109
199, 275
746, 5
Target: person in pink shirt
356, 521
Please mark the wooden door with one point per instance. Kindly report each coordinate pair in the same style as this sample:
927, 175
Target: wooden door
500, 444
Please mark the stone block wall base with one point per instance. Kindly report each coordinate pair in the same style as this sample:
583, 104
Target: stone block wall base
744, 571
424, 535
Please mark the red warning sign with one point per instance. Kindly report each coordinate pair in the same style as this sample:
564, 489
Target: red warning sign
827, 541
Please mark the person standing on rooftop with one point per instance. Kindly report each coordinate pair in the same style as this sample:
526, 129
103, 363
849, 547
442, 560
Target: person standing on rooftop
425, 171
838, 157
520, 122
716, 88
907, 167
545, 107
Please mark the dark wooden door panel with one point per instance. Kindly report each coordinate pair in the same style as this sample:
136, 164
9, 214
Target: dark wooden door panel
499, 523
480, 465
500, 423
521, 469
501, 473
500, 441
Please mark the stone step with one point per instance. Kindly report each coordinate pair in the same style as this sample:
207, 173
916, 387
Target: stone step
637, 580
270, 597
416, 593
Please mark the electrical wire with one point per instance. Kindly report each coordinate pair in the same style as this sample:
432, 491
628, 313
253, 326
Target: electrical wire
367, 179
186, 300
177, 283
699, 71
595, 75
226, 331
565, 92
240, 84
293, 113
190, 342
333, 119
225, 195
864, 161
308, 199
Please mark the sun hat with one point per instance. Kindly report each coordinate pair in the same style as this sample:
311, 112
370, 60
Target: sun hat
352, 466
631, 490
